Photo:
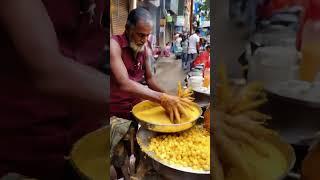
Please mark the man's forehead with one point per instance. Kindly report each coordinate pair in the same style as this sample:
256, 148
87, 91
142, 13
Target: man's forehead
144, 27
144, 22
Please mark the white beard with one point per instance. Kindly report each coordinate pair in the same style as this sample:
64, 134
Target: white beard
136, 49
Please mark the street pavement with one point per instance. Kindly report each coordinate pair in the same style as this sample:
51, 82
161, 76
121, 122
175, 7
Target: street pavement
169, 72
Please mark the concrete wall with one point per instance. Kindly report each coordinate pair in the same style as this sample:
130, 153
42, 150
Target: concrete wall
229, 40
181, 8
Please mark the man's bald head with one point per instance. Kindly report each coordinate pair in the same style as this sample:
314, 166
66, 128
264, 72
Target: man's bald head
138, 15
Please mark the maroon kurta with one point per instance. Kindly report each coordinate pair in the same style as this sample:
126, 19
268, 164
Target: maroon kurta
37, 131
121, 102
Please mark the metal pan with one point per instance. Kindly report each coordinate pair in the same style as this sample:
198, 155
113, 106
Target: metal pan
197, 90
285, 148
143, 139
293, 101
289, 153
168, 128
201, 98
144, 136
295, 120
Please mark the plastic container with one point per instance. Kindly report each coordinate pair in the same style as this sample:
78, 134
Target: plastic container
273, 64
195, 81
206, 81
310, 64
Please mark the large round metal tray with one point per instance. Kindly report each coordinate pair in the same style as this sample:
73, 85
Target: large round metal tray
289, 153
200, 91
295, 120
293, 100
143, 138
167, 128
285, 148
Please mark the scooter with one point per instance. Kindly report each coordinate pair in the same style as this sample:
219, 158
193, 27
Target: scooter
178, 52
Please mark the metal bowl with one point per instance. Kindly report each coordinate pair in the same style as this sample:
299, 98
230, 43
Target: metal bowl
199, 91
89, 155
202, 99
295, 120
170, 171
289, 153
167, 128
285, 148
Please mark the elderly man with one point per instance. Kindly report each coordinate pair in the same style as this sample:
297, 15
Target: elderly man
130, 66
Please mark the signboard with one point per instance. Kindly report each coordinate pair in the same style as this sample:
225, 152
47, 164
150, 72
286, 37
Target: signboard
172, 5
205, 24
155, 2
180, 21
169, 19
179, 29
162, 22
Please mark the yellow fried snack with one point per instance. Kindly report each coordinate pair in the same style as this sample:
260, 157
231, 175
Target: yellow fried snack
184, 93
180, 90
260, 168
187, 149
245, 148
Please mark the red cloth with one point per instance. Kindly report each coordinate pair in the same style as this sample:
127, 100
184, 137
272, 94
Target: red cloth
311, 11
121, 102
36, 130
203, 58
267, 10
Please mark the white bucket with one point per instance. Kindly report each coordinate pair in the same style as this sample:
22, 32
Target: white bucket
273, 64
195, 81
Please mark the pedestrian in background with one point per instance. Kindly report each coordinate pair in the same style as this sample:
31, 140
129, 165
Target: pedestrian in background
184, 58
193, 49
167, 49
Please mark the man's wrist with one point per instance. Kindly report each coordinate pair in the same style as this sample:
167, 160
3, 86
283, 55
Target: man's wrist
160, 95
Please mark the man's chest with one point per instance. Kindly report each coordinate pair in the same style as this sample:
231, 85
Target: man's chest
134, 65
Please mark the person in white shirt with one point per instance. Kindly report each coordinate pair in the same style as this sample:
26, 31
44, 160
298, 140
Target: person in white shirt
178, 40
177, 43
193, 49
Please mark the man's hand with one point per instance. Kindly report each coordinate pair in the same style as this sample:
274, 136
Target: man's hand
175, 106
170, 104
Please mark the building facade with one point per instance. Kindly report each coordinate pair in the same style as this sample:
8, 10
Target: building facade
167, 17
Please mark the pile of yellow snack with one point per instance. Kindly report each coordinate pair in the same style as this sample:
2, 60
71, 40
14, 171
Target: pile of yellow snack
190, 148
242, 144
